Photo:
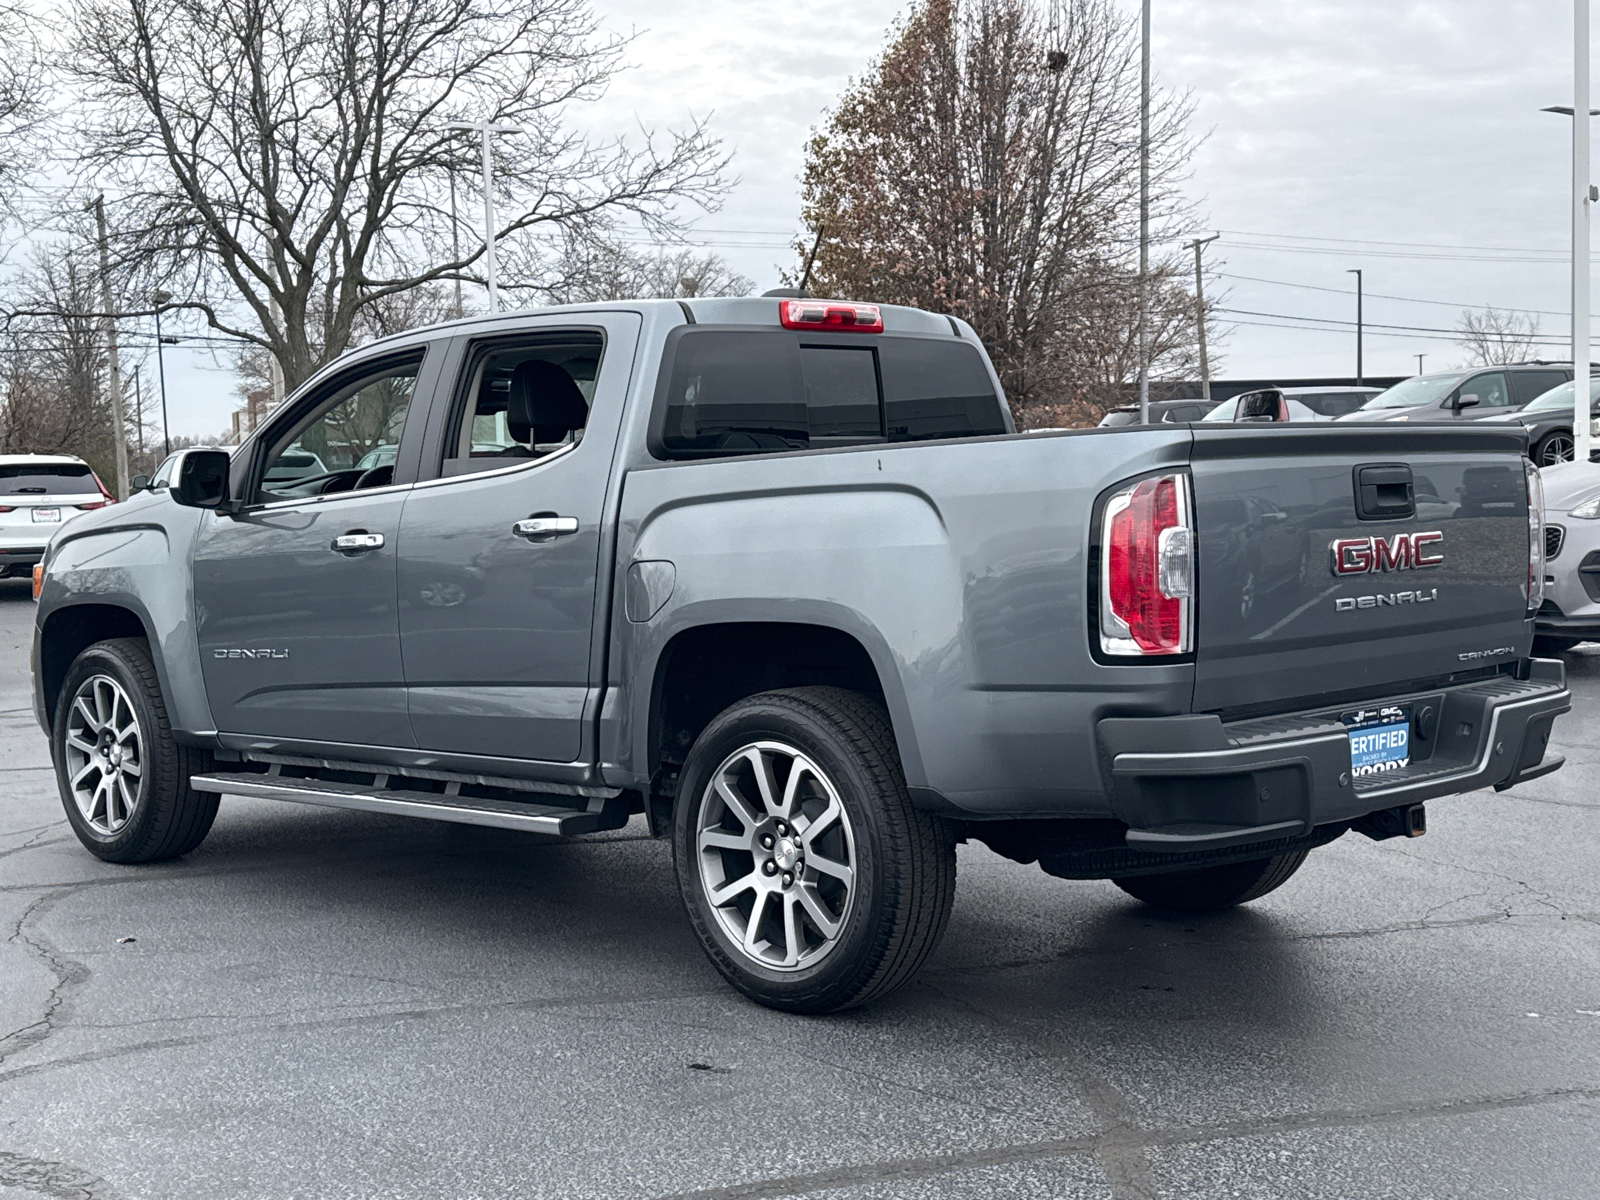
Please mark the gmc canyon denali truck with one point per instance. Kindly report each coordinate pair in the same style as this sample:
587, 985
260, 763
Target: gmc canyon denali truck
780, 575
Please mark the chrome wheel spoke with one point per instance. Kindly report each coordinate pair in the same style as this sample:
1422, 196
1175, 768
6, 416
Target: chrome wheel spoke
764, 782
83, 772
78, 744
81, 704
793, 942
132, 769
827, 924
752, 929
828, 867
721, 839
735, 802
724, 895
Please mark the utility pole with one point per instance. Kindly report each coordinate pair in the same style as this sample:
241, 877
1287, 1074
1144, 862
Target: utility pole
1420, 357
160, 299
1582, 196
486, 130
455, 244
1356, 271
1200, 315
119, 432
1144, 212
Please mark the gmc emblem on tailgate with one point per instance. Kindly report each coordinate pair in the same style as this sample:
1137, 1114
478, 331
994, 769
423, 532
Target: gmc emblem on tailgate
1402, 552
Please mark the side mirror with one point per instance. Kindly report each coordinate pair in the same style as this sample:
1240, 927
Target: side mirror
1467, 401
139, 482
202, 479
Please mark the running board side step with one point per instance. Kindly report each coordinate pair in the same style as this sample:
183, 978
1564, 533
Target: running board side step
599, 814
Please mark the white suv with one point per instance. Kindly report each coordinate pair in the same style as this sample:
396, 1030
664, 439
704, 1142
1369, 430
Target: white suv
38, 493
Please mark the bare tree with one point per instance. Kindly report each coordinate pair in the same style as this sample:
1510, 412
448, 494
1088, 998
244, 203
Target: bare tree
591, 269
987, 166
1491, 337
291, 158
20, 91
52, 399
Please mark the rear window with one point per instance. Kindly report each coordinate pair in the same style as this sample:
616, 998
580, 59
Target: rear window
1333, 404
47, 479
748, 391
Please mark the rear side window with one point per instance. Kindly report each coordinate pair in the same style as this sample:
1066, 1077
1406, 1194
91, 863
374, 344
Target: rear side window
47, 479
748, 391
1332, 404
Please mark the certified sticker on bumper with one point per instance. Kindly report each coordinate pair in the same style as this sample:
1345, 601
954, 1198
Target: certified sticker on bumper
1380, 740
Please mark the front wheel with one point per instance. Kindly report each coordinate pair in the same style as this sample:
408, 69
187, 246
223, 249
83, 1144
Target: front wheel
1211, 889
124, 780
812, 883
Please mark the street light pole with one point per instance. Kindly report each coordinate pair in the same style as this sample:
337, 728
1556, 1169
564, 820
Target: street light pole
1144, 212
1200, 315
486, 130
1356, 271
119, 426
1420, 357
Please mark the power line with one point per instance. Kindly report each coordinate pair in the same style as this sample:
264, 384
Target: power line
1312, 287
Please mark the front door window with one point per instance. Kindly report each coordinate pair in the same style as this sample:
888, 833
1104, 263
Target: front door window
347, 442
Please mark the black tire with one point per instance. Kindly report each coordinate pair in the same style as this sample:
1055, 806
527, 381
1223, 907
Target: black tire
1555, 446
1548, 645
166, 817
1211, 889
904, 864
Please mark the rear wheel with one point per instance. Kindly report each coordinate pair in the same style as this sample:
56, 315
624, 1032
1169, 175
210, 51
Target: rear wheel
1210, 889
811, 882
1554, 447
124, 780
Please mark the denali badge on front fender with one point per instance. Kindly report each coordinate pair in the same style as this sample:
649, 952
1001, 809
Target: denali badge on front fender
249, 653
1402, 552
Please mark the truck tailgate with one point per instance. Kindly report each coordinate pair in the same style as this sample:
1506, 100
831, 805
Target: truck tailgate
1301, 595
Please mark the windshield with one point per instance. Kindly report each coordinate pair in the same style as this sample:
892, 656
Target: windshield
1119, 418
1424, 389
1330, 404
1561, 397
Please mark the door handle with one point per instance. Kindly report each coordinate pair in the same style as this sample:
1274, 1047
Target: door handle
357, 541
545, 527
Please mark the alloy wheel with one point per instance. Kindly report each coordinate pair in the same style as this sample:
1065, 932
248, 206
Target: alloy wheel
1557, 449
105, 754
776, 853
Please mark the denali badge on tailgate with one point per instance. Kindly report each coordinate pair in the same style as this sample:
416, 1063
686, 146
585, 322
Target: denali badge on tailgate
1402, 552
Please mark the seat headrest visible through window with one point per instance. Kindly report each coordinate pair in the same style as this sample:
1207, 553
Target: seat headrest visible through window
545, 403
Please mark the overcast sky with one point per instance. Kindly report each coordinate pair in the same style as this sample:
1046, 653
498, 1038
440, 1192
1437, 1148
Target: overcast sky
1404, 139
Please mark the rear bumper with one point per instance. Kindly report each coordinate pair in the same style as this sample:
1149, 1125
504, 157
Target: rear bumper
19, 560
1193, 784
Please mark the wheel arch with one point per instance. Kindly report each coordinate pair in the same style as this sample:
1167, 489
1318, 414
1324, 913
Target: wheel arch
705, 666
73, 628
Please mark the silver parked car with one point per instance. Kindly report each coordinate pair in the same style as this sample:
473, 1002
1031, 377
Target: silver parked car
1571, 610
1274, 405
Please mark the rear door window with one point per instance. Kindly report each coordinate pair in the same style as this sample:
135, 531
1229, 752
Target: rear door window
47, 479
1528, 385
747, 391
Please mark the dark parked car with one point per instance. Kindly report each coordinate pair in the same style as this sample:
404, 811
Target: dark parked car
1548, 421
1276, 404
1469, 395
1162, 412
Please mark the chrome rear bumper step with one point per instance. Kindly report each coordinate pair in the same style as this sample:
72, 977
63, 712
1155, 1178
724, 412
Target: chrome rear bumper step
598, 814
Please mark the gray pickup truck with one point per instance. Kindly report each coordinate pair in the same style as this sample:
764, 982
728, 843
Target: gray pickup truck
780, 576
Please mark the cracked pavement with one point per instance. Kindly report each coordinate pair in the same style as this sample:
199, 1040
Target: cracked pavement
326, 1004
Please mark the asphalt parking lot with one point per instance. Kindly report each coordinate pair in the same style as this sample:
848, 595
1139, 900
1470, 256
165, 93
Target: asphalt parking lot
325, 1004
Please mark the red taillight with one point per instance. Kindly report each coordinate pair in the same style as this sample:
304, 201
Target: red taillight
104, 491
832, 315
38, 579
1147, 572
1535, 486
94, 505
8, 508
